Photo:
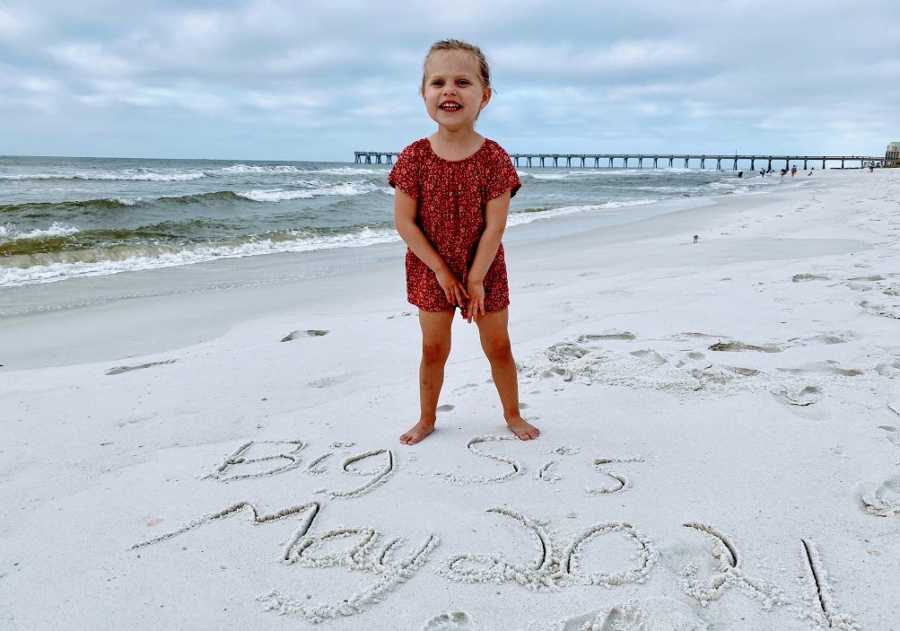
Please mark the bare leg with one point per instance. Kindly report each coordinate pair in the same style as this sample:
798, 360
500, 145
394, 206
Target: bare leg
435, 350
495, 341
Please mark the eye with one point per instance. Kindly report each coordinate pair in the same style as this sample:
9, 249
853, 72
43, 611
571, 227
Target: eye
463, 82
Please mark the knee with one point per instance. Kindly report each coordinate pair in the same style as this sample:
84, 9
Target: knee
497, 350
435, 353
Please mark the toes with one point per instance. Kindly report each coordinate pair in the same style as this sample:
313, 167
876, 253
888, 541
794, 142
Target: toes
527, 434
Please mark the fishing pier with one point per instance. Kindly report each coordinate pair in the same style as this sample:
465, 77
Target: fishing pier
659, 160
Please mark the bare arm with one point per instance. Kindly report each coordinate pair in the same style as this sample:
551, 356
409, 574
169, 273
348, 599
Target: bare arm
495, 224
405, 222
495, 215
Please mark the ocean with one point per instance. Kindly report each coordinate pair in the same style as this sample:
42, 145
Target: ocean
64, 218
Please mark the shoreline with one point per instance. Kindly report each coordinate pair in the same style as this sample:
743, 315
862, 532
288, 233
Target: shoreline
220, 294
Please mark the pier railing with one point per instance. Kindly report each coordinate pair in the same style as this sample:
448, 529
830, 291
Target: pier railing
660, 160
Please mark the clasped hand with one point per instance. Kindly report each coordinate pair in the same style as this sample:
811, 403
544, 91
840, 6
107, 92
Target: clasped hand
470, 297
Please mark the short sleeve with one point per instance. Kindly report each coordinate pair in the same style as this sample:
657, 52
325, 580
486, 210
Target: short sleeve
405, 173
504, 177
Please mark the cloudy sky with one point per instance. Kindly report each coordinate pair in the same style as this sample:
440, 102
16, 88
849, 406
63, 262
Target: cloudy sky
295, 80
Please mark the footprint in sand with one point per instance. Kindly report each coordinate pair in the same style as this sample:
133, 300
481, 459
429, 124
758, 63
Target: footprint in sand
651, 356
805, 396
832, 337
859, 286
293, 335
652, 614
612, 334
538, 285
567, 350
740, 371
327, 382
801, 278
827, 367
737, 346
872, 278
118, 370
884, 499
447, 407
888, 369
450, 621
884, 311
695, 334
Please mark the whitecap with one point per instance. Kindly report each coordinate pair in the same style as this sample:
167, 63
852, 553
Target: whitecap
258, 169
347, 189
351, 170
9, 232
104, 262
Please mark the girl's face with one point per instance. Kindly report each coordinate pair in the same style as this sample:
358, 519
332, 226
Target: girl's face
453, 92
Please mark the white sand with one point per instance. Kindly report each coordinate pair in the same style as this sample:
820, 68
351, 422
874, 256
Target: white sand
674, 486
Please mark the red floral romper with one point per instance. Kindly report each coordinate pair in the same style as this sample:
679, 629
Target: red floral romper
451, 197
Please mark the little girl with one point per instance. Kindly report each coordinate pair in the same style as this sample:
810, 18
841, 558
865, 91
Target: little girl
452, 198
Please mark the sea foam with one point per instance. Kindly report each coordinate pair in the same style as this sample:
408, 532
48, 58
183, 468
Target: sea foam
103, 262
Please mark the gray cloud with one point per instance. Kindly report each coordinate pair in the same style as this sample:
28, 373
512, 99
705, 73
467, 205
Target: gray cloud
280, 80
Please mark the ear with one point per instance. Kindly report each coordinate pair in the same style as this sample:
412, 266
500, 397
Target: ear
486, 95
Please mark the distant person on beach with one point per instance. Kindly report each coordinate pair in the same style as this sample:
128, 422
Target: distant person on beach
793, 170
451, 202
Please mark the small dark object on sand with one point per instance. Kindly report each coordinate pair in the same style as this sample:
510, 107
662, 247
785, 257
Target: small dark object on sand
293, 335
696, 238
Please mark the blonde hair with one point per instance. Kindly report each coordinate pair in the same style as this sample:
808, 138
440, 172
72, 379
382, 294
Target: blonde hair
484, 71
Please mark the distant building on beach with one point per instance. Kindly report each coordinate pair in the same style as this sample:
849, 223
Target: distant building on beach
892, 155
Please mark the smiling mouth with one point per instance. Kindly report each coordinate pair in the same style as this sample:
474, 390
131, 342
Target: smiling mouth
450, 107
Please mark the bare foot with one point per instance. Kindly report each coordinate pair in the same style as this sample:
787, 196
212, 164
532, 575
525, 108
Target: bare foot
417, 432
522, 428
